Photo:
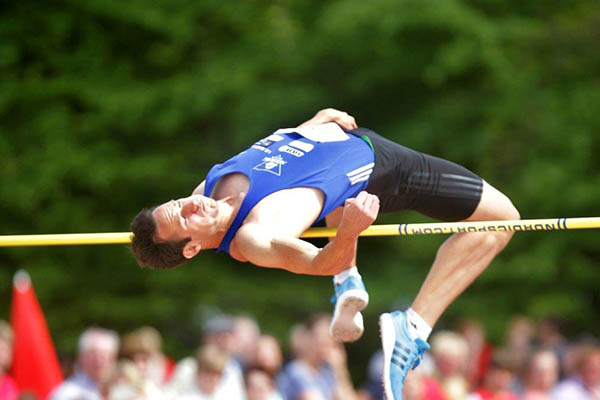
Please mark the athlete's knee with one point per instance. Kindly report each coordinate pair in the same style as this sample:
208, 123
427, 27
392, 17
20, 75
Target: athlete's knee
510, 212
504, 207
495, 205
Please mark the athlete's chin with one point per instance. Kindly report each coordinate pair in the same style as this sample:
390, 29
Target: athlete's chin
204, 231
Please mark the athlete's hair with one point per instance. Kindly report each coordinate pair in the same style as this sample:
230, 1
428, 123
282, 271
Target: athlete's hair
148, 253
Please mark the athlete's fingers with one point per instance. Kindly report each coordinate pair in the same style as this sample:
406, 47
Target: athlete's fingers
372, 200
366, 195
344, 124
372, 205
361, 198
355, 208
359, 203
352, 204
344, 120
368, 201
374, 209
353, 122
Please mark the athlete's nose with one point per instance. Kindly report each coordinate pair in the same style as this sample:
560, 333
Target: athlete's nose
188, 208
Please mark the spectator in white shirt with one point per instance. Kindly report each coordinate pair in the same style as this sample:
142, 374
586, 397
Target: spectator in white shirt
585, 385
541, 375
217, 333
210, 370
96, 362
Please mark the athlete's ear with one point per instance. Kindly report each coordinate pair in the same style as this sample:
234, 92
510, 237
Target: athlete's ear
191, 248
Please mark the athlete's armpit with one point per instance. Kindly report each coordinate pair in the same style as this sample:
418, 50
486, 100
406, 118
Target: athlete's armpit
200, 188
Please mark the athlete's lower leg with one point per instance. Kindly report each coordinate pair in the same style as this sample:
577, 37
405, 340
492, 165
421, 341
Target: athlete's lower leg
333, 220
350, 296
464, 256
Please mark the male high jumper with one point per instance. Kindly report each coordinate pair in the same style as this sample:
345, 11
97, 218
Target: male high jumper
256, 205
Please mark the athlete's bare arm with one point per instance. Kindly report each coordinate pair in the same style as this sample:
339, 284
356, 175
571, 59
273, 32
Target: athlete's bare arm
343, 119
255, 244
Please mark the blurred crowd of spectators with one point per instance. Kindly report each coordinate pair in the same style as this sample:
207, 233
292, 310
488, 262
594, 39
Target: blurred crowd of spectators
237, 361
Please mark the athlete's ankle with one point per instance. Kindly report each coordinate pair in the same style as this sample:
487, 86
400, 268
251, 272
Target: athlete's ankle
345, 274
417, 327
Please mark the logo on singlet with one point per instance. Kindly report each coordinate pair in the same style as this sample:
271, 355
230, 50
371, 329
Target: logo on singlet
360, 174
271, 164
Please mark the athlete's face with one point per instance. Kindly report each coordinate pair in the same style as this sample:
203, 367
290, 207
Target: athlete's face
192, 217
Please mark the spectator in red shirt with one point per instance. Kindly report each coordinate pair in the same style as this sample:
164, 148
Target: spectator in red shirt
497, 381
419, 386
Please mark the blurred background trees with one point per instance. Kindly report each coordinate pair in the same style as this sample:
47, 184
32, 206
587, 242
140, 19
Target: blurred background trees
106, 107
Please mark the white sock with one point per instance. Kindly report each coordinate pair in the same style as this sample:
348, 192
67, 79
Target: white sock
342, 276
417, 327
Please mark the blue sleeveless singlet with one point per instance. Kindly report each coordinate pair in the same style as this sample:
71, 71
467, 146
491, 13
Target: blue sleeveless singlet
340, 169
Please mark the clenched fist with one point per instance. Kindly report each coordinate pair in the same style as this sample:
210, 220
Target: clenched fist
359, 213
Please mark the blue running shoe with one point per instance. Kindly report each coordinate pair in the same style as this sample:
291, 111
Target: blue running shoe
400, 352
350, 299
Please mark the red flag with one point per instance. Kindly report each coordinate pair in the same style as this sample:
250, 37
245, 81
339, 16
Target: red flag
35, 366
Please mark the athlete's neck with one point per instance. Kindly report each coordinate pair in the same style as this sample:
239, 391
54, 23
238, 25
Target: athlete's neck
228, 208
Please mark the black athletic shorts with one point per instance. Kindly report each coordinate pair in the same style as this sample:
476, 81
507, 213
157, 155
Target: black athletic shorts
406, 179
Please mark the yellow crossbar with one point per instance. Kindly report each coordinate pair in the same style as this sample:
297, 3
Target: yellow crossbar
551, 224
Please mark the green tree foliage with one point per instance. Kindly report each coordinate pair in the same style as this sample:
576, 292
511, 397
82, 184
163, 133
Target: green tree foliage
109, 106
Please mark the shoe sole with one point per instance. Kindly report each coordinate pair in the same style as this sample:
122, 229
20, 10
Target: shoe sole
388, 341
347, 324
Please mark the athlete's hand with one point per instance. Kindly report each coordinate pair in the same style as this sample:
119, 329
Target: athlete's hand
343, 119
359, 213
